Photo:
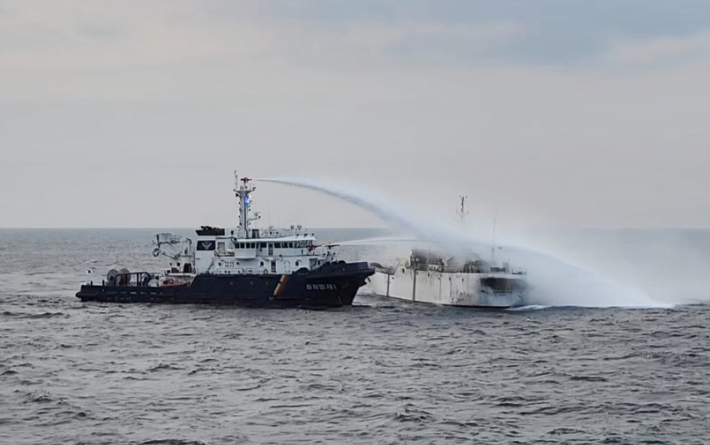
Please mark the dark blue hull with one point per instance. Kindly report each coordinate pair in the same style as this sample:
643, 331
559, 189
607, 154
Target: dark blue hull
332, 285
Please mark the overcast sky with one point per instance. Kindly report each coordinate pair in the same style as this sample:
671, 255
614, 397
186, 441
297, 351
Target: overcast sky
135, 113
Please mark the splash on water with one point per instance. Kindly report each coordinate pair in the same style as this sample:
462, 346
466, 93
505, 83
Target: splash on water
554, 281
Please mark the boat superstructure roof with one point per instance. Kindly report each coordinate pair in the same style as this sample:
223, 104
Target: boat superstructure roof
261, 238
244, 233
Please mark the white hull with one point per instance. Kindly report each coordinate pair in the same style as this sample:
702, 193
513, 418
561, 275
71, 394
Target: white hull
449, 288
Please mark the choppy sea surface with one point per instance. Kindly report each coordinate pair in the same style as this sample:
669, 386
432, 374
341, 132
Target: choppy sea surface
382, 371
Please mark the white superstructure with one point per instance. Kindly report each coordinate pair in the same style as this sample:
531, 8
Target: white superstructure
244, 250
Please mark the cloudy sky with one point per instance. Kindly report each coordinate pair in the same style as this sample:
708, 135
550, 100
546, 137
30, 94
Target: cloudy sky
135, 113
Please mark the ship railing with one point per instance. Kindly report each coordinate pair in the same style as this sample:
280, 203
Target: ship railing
509, 270
133, 279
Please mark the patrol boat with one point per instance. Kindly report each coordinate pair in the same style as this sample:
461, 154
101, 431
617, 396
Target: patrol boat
428, 276
248, 267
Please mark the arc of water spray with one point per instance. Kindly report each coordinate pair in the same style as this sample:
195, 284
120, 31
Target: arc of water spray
451, 238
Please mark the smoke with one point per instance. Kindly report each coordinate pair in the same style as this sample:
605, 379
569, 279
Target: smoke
554, 280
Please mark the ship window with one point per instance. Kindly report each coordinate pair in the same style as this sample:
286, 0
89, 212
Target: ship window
252, 245
262, 245
290, 245
261, 264
297, 263
277, 245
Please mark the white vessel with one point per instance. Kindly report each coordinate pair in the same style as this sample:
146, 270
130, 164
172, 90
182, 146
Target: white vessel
430, 277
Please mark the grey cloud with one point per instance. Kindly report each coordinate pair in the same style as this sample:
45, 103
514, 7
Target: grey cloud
556, 31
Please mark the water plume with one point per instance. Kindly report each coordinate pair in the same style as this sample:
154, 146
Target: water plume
554, 281
420, 226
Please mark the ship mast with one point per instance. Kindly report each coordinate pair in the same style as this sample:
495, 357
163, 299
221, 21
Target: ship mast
242, 192
493, 239
462, 211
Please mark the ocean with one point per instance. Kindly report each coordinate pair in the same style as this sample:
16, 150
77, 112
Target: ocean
565, 371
